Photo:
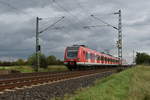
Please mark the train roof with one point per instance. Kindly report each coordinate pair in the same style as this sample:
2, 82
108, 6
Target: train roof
94, 51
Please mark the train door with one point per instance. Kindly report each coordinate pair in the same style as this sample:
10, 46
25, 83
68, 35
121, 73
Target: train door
87, 58
83, 56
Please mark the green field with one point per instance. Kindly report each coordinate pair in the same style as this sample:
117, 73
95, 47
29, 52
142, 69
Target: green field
26, 69
131, 84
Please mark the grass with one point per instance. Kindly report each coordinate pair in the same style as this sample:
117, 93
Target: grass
140, 89
23, 69
53, 68
28, 69
131, 84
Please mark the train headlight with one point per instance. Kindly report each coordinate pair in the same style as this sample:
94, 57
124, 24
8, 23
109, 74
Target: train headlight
65, 59
78, 59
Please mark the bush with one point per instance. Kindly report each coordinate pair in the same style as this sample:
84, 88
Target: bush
43, 62
142, 58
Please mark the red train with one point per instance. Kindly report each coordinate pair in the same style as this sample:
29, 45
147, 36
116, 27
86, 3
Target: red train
80, 56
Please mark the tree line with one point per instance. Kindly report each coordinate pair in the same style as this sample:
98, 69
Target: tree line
31, 60
142, 58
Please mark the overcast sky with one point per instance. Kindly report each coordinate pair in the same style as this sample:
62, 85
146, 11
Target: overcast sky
17, 26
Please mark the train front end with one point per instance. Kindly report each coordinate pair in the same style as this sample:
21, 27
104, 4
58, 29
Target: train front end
71, 57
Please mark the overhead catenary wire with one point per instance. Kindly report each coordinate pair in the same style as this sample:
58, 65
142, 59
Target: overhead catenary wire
14, 8
104, 22
72, 22
52, 25
76, 20
9, 5
86, 14
85, 11
69, 13
88, 26
60, 7
45, 22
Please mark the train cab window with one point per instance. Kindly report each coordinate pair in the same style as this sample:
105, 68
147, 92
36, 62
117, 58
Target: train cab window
72, 53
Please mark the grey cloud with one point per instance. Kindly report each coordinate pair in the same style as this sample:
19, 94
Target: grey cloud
18, 32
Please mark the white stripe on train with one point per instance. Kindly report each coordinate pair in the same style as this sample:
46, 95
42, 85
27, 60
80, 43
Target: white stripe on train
88, 63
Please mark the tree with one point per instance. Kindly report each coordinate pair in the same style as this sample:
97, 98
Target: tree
142, 58
51, 60
20, 62
43, 61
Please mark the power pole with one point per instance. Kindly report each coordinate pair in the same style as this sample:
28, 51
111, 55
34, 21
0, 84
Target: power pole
119, 42
37, 44
38, 47
119, 28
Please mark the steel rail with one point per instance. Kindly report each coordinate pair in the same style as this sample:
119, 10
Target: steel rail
34, 80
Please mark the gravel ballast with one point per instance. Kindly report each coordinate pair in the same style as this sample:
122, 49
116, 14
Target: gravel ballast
49, 91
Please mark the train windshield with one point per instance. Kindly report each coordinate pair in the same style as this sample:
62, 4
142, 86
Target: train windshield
72, 54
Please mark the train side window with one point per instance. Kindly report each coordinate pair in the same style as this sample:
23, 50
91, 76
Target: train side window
88, 55
102, 58
92, 56
113, 60
98, 58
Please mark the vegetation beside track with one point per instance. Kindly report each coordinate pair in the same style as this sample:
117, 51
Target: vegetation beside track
131, 84
26, 69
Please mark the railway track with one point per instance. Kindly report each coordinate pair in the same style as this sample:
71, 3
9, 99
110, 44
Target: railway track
41, 78
20, 75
